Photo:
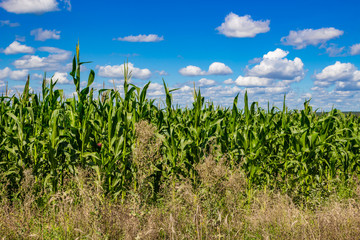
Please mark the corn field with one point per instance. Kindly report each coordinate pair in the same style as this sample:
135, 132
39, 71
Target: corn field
293, 151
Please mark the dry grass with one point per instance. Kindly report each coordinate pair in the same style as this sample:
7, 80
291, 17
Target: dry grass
215, 210
147, 150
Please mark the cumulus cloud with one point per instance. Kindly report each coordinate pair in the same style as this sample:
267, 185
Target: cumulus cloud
52, 62
61, 78
204, 82
16, 47
141, 38
13, 75
8, 23
34, 6
117, 71
274, 65
270, 77
274, 71
216, 68
249, 81
302, 38
19, 74
30, 61
344, 75
192, 71
242, 26
355, 49
43, 35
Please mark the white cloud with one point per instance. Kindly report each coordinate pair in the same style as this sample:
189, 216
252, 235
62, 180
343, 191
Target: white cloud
61, 78
344, 75
141, 38
216, 68
229, 81
155, 86
273, 74
155, 89
253, 81
335, 72
224, 91
117, 71
241, 27
30, 61
306, 96
355, 49
19, 74
16, 47
43, 35
52, 62
30, 6
4, 73
334, 50
192, 71
162, 73
274, 65
302, 38
37, 76
186, 89
8, 23
57, 54
204, 82
277, 54
340, 98
14, 75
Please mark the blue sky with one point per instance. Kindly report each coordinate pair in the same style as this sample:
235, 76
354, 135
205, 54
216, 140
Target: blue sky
304, 49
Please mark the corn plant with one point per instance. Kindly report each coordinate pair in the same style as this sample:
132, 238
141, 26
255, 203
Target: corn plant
294, 151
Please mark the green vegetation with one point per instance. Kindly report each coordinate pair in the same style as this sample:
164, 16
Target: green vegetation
130, 149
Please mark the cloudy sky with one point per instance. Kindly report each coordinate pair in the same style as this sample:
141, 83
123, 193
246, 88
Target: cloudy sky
304, 49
